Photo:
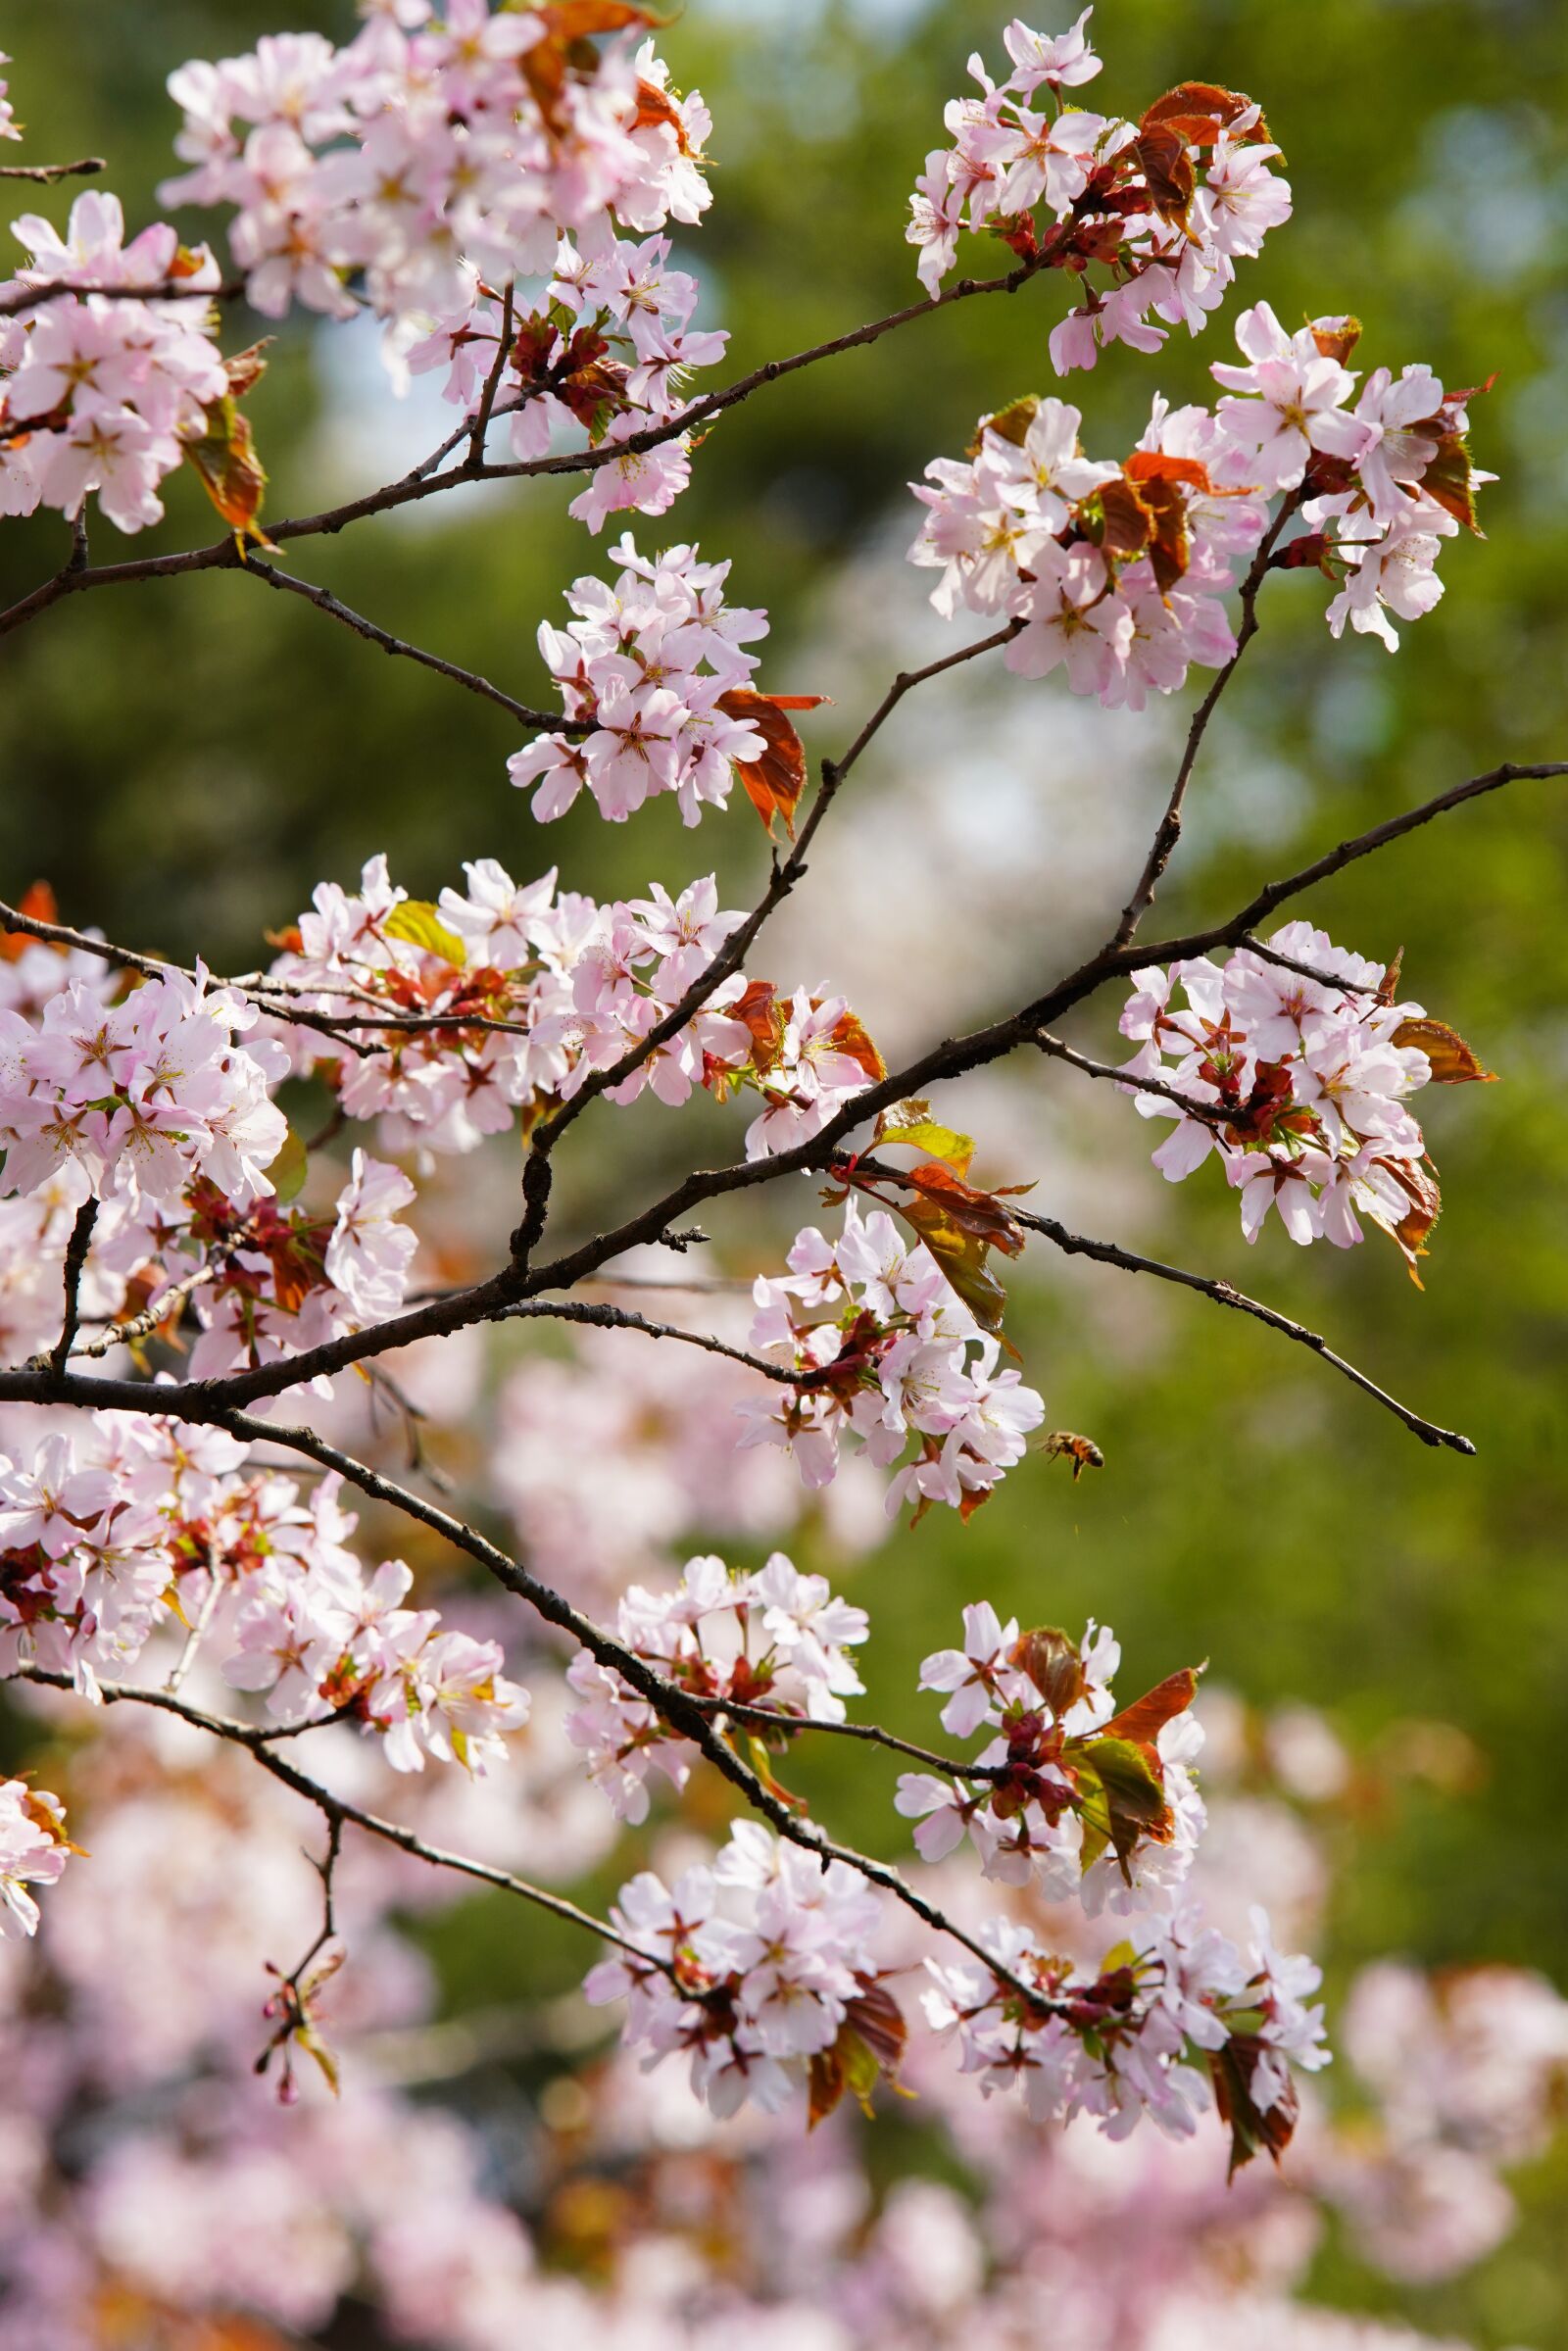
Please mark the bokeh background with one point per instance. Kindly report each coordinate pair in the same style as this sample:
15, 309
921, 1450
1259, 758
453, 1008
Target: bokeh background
182, 763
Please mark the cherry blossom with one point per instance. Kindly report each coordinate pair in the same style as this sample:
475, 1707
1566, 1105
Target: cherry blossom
892, 1363
33, 1851
1166, 206
1298, 1086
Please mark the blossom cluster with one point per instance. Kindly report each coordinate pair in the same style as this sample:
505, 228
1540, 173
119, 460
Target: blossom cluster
317, 1634
1075, 1797
386, 2200
653, 677
437, 158
98, 393
513, 996
33, 1851
899, 1356
1166, 206
1299, 1085
143, 1094
1113, 573
1381, 485
1171, 2019
127, 1520
777, 1640
751, 1966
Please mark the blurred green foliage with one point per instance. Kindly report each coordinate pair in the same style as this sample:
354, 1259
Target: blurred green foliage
184, 762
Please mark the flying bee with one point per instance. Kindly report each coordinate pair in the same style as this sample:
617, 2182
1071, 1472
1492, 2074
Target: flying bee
1081, 1451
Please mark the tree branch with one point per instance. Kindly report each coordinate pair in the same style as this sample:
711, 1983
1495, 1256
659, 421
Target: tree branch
327, 601
1169, 831
336, 1809
422, 482
1108, 1252
86, 167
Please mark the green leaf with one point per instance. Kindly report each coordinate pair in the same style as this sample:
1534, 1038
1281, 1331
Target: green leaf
942, 1143
288, 1169
417, 922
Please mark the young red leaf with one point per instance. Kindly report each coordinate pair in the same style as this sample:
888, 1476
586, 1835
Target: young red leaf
1145, 1719
1453, 1062
774, 782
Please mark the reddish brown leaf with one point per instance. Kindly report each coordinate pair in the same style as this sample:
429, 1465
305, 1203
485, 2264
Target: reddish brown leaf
38, 902
1010, 423
1050, 1657
1167, 169
1145, 1719
1152, 465
761, 1011
1336, 338
1128, 524
1419, 1184
972, 1210
1199, 111
1231, 2069
1453, 1062
1450, 479
245, 369
774, 782
849, 1036
232, 474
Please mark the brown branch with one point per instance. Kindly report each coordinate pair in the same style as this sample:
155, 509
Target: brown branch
1213, 1114
953, 1058
1108, 1252
492, 384
732, 955
152, 1318
673, 1704
77, 1247
1169, 831
872, 1734
601, 1316
336, 1809
327, 601
424, 482
175, 289
86, 167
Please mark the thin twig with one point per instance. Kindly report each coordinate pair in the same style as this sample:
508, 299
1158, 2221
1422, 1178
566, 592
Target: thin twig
175, 289
675, 1705
1169, 831
599, 1315
421, 482
338, 1808
86, 167
77, 1247
492, 385
1108, 1253
872, 1734
1213, 1114
152, 1318
327, 601
732, 955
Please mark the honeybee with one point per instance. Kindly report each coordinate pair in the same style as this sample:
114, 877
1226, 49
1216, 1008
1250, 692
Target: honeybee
1081, 1451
